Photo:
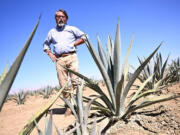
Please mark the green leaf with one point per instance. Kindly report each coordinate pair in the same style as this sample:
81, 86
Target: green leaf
156, 99
102, 70
48, 129
141, 88
134, 77
9, 79
87, 109
102, 54
80, 103
3, 73
71, 107
94, 87
126, 58
118, 95
117, 54
38, 129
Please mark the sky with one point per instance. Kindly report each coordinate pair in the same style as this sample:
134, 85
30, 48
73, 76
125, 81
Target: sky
150, 21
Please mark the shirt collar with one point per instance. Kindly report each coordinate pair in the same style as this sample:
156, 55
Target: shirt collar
61, 28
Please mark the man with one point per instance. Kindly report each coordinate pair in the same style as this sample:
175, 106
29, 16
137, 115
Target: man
65, 39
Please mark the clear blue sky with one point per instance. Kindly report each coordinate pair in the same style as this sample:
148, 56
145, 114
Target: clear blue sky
151, 21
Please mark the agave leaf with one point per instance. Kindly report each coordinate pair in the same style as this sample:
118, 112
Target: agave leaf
105, 61
155, 89
59, 131
133, 78
102, 54
126, 73
70, 106
87, 109
94, 87
164, 67
110, 61
149, 101
102, 70
117, 54
73, 99
104, 110
118, 95
86, 99
48, 129
110, 48
156, 99
72, 130
93, 130
81, 110
3, 73
38, 129
141, 87
30, 125
80, 103
9, 78
145, 76
138, 96
127, 56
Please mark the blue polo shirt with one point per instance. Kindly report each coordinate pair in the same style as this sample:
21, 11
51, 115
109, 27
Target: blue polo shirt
63, 39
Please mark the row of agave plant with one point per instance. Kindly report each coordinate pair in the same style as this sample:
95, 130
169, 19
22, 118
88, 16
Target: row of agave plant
113, 105
21, 96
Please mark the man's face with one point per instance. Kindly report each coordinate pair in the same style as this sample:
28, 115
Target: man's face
60, 19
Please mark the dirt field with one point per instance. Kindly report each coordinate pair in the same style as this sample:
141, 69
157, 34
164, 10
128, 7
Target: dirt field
162, 119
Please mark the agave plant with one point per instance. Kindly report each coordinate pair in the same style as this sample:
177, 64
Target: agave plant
31, 123
46, 92
81, 113
156, 68
114, 105
48, 127
174, 71
20, 97
8, 80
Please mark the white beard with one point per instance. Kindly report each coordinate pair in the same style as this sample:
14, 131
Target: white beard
60, 24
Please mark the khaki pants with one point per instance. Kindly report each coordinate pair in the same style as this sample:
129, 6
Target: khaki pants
71, 62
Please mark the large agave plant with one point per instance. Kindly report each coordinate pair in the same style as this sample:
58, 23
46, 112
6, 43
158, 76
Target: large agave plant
157, 68
114, 76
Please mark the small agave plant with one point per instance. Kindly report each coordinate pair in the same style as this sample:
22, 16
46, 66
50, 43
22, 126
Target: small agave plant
46, 92
48, 127
174, 71
113, 104
156, 68
81, 112
20, 97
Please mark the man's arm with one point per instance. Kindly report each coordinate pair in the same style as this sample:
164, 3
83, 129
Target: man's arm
78, 42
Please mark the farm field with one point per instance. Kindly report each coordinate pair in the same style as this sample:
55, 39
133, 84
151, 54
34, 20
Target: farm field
162, 118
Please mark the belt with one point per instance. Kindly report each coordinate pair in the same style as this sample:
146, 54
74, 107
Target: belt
65, 54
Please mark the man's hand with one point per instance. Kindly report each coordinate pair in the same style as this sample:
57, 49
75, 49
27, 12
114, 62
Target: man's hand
51, 55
